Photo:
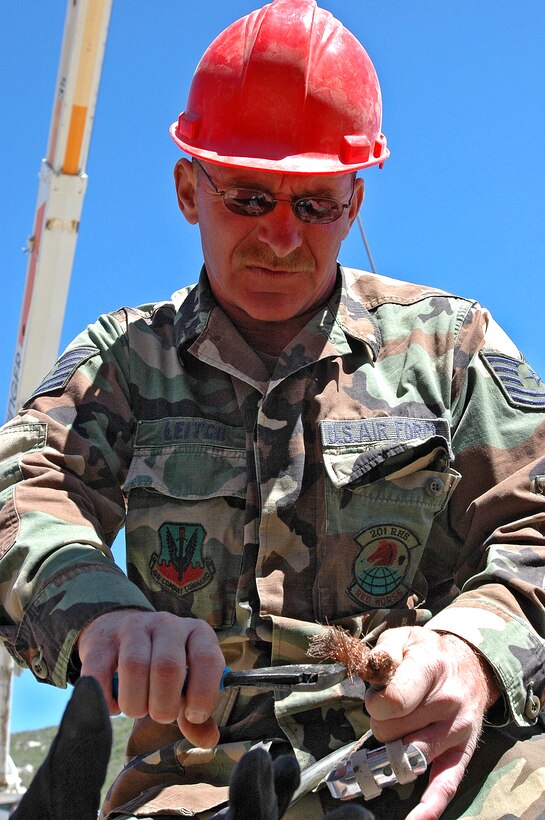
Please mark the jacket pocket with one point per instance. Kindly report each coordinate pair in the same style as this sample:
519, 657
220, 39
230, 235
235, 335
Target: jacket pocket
381, 499
186, 489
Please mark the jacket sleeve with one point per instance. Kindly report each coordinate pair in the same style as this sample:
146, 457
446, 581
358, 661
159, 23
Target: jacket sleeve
62, 462
498, 514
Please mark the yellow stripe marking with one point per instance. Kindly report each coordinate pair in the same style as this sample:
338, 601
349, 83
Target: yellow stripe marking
83, 86
75, 139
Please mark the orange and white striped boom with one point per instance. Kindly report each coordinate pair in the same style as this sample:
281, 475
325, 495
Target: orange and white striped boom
62, 184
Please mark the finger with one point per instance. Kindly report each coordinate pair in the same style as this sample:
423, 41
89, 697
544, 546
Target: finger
427, 725
167, 675
395, 641
251, 790
205, 663
287, 778
456, 732
403, 694
415, 677
133, 667
204, 735
99, 660
445, 777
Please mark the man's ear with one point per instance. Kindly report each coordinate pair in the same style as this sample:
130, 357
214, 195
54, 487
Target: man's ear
186, 191
357, 199
355, 204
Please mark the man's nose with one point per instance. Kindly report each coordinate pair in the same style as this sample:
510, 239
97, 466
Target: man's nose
281, 230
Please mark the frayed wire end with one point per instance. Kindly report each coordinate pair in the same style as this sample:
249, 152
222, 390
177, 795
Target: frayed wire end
373, 665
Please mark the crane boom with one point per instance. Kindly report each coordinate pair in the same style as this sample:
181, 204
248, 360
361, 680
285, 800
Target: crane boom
62, 185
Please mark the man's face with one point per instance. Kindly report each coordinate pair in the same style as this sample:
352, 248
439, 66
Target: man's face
271, 267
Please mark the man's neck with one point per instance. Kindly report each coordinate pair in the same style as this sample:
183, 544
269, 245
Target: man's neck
270, 337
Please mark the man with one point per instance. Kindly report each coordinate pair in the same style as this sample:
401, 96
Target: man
288, 444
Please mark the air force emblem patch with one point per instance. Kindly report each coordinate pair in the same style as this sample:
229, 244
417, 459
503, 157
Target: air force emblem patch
180, 565
520, 384
383, 565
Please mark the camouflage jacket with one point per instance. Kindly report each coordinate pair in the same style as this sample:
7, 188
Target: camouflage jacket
390, 470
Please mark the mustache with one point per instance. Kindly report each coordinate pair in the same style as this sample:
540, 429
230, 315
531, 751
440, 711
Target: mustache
261, 257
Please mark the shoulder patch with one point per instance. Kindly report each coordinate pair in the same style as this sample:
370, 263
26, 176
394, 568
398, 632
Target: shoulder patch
63, 370
520, 384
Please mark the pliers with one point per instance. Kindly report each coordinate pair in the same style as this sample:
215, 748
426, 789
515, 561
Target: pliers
301, 677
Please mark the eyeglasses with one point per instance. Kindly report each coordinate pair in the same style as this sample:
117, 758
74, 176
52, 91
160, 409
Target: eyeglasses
318, 210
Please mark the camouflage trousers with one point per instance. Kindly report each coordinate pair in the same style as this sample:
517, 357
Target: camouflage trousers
505, 780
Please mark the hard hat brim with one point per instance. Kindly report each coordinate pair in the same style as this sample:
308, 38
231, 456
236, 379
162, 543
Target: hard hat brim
292, 164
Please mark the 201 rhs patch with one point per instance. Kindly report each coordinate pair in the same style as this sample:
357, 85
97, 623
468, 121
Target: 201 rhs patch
180, 565
382, 564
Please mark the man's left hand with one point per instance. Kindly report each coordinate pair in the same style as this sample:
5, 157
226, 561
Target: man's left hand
437, 699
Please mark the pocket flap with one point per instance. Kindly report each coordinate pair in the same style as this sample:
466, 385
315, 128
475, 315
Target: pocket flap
365, 450
188, 458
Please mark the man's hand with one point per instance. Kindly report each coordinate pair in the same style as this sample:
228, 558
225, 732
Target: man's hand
152, 652
436, 699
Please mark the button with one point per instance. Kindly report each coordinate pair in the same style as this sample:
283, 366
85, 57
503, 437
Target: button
39, 667
533, 706
434, 486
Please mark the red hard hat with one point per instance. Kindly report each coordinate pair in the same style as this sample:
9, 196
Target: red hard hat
288, 89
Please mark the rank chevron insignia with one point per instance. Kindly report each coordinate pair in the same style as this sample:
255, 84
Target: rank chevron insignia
520, 384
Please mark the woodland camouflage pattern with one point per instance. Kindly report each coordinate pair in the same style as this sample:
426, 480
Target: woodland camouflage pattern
390, 470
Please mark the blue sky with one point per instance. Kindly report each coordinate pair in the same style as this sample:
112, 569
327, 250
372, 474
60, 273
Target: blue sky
460, 203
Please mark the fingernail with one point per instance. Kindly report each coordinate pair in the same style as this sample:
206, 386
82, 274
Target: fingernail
194, 716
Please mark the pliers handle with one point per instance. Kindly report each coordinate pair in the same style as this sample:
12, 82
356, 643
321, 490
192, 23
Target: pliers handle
303, 677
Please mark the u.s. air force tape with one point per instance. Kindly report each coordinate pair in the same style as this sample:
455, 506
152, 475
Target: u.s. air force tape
521, 385
63, 370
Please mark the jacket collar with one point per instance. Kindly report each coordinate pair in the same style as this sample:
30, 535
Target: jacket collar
345, 313
344, 322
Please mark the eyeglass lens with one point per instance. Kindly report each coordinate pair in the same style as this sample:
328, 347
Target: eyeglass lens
250, 202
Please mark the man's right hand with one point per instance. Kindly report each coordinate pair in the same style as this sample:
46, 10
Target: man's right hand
152, 652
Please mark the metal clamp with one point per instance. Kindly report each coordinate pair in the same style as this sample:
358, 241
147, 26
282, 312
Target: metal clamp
367, 772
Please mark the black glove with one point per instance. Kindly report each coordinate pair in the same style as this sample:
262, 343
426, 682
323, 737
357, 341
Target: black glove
68, 783
262, 788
